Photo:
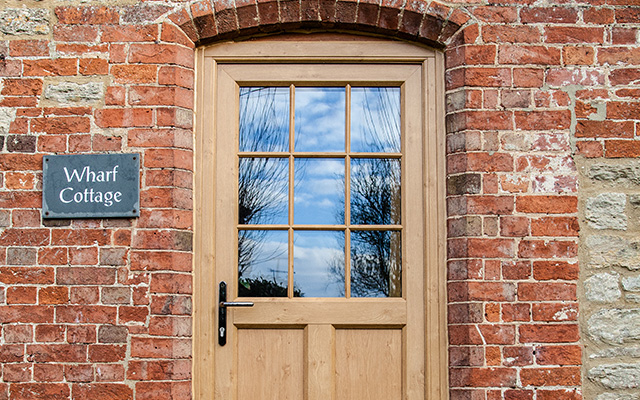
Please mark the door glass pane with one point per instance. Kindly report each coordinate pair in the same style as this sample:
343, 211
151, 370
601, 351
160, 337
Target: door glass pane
375, 119
318, 264
376, 264
375, 191
262, 263
264, 119
320, 119
319, 191
262, 191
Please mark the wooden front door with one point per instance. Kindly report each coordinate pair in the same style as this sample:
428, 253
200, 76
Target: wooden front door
312, 207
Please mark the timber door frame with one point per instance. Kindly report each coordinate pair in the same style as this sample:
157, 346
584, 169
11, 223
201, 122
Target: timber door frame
319, 49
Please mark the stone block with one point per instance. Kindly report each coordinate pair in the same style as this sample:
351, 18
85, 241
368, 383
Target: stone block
602, 288
613, 251
631, 283
7, 115
615, 325
607, 211
24, 21
75, 93
617, 173
616, 376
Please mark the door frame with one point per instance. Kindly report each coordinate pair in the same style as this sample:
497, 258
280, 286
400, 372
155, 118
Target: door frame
322, 48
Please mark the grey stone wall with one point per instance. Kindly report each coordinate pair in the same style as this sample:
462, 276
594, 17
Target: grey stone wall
610, 268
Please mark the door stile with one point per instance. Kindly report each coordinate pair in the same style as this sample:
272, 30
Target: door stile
226, 221
203, 261
413, 268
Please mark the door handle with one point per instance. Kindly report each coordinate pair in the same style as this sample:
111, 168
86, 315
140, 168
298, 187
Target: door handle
222, 311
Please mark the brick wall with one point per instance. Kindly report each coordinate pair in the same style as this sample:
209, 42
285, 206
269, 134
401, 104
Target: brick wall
543, 104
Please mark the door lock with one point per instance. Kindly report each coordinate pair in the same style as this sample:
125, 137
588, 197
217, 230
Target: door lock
222, 311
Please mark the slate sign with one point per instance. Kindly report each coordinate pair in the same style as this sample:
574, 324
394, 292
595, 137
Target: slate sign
91, 186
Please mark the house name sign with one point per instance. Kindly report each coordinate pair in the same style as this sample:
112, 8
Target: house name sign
91, 186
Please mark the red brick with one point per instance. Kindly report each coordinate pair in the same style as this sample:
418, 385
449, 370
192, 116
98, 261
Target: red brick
52, 144
10, 353
490, 205
547, 204
565, 376
105, 391
124, 118
161, 96
170, 75
578, 55
571, 34
605, 129
80, 237
86, 314
548, 15
51, 67
555, 226
28, 48
165, 390
87, 15
107, 353
540, 291
159, 370
590, 149
491, 248
21, 87
547, 249
483, 377
517, 355
49, 391
622, 149
160, 348
86, 276
17, 333
78, 373
53, 295
559, 394
549, 270
60, 125
599, 15
21, 295
70, 353
50, 333
135, 73
129, 33
110, 373
549, 333
83, 334
559, 355
127, 314
75, 33
542, 120
510, 34
509, 54
161, 54
93, 66
490, 291
16, 372
621, 35
48, 372
171, 283
554, 312
168, 158
617, 55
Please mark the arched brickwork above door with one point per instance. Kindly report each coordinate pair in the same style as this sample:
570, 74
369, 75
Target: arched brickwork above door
426, 22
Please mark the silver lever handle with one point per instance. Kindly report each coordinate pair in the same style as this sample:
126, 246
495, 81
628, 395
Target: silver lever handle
236, 304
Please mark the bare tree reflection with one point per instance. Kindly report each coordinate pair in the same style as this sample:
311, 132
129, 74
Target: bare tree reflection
262, 182
375, 200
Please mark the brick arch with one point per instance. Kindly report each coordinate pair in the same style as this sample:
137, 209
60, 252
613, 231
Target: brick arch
431, 23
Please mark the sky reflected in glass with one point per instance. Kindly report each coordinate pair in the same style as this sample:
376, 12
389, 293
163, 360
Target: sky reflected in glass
318, 191
318, 263
264, 119
375, 119
320, 119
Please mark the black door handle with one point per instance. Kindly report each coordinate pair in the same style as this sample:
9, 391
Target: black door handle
222, 311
